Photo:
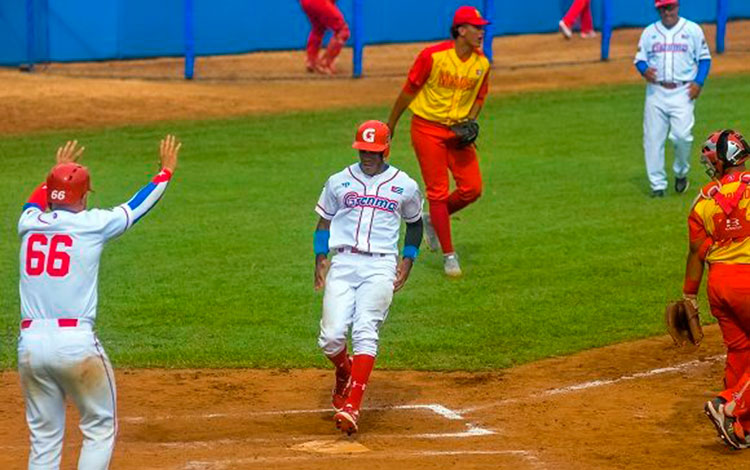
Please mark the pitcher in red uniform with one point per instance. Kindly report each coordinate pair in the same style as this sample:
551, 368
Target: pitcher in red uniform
324, 15
582, 9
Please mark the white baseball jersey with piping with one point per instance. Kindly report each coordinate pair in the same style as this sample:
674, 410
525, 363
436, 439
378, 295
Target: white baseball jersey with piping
365, 214
669, 111
59, 354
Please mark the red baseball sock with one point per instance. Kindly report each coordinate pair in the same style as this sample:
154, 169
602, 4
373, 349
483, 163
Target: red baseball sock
342, 363
441, 222
361, 367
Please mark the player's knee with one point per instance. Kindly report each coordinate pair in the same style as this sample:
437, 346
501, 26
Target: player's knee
343, 34
365, 340
471, 194
331, 343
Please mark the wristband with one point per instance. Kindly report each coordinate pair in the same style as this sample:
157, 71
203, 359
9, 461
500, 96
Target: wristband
690, 287
320, 242
410, 251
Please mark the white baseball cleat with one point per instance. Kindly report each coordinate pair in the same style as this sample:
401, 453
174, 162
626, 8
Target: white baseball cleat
565, 30
430, 237
451, 266
588, 34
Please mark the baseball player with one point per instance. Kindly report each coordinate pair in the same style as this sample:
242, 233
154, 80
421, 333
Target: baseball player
445, 91
324, 15
360, 209
674, 59
59, 355
719, 229
582, 9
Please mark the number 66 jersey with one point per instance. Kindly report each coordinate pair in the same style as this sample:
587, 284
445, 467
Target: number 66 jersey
60, 251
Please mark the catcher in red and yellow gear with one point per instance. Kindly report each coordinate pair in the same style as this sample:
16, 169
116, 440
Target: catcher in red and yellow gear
719, 225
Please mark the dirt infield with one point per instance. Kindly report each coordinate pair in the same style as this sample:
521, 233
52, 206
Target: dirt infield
633, 405
74, 96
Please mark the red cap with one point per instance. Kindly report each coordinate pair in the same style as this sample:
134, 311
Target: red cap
373, 136
67, 184
470, 15
663, 3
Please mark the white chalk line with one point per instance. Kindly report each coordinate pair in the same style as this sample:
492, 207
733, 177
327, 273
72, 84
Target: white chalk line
230, 463
435, 408
600, 383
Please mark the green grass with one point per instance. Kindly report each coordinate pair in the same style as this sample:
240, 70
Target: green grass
564, 251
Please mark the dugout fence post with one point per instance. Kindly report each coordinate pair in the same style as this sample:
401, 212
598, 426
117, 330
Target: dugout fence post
189, 18
722, 16
30, 37
606, 28
358, 37
489, 30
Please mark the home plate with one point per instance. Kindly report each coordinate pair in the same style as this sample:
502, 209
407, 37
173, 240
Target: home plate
340, 446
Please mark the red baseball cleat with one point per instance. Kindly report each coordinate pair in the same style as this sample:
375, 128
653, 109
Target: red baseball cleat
346, 420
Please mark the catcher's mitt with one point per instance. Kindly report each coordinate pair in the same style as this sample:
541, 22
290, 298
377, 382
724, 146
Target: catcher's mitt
683, 322
466, 132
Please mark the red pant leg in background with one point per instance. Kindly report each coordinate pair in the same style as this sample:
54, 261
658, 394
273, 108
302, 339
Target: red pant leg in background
323, 14
729, 297
580, 8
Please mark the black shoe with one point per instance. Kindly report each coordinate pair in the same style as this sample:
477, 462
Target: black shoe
657, 193
681, 184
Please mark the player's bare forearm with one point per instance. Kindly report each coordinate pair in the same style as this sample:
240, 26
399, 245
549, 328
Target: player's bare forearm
402, 102
321, 259
694, 268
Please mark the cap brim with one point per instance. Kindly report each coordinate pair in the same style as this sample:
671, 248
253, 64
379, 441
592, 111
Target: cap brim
369, 147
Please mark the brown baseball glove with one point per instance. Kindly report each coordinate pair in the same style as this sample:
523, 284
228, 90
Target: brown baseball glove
683, 322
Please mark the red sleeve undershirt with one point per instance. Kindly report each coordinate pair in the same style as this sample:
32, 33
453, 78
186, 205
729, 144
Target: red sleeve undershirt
39, 197
419, 72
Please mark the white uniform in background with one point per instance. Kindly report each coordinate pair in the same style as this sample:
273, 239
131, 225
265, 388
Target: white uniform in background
668, 112
59, 354
365, 214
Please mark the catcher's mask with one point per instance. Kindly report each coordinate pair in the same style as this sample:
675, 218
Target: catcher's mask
67, 184
373, 136
709, 159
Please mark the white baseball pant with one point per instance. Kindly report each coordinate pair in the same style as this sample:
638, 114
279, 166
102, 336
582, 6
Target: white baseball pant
55, 362
358, 294
667, 113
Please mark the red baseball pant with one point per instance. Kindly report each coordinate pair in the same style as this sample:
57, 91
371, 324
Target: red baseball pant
436, 148
323, 15
580, 8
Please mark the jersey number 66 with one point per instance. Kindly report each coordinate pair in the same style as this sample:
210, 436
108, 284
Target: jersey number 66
57, 262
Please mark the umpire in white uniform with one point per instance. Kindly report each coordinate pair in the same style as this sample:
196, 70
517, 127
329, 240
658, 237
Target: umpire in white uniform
674, 59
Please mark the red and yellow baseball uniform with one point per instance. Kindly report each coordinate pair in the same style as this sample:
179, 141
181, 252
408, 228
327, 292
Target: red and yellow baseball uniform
324, 15
446, 89
720, 222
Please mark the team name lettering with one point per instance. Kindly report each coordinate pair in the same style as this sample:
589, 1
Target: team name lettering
448, 80
353, 200
669, 47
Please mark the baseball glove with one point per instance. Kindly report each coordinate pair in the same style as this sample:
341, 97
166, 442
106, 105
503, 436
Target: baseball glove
466, 132
683, 322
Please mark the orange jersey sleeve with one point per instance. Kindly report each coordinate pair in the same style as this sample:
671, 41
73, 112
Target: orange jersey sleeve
484, 89
420, 72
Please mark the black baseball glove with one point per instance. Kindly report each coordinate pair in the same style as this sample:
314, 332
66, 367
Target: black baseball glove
466, 132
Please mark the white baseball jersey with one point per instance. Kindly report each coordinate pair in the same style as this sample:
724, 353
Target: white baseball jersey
673, 52
60, 252
366, 211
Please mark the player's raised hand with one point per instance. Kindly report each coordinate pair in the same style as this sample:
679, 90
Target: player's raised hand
402, 273
70, 152
321, 270
168, 152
